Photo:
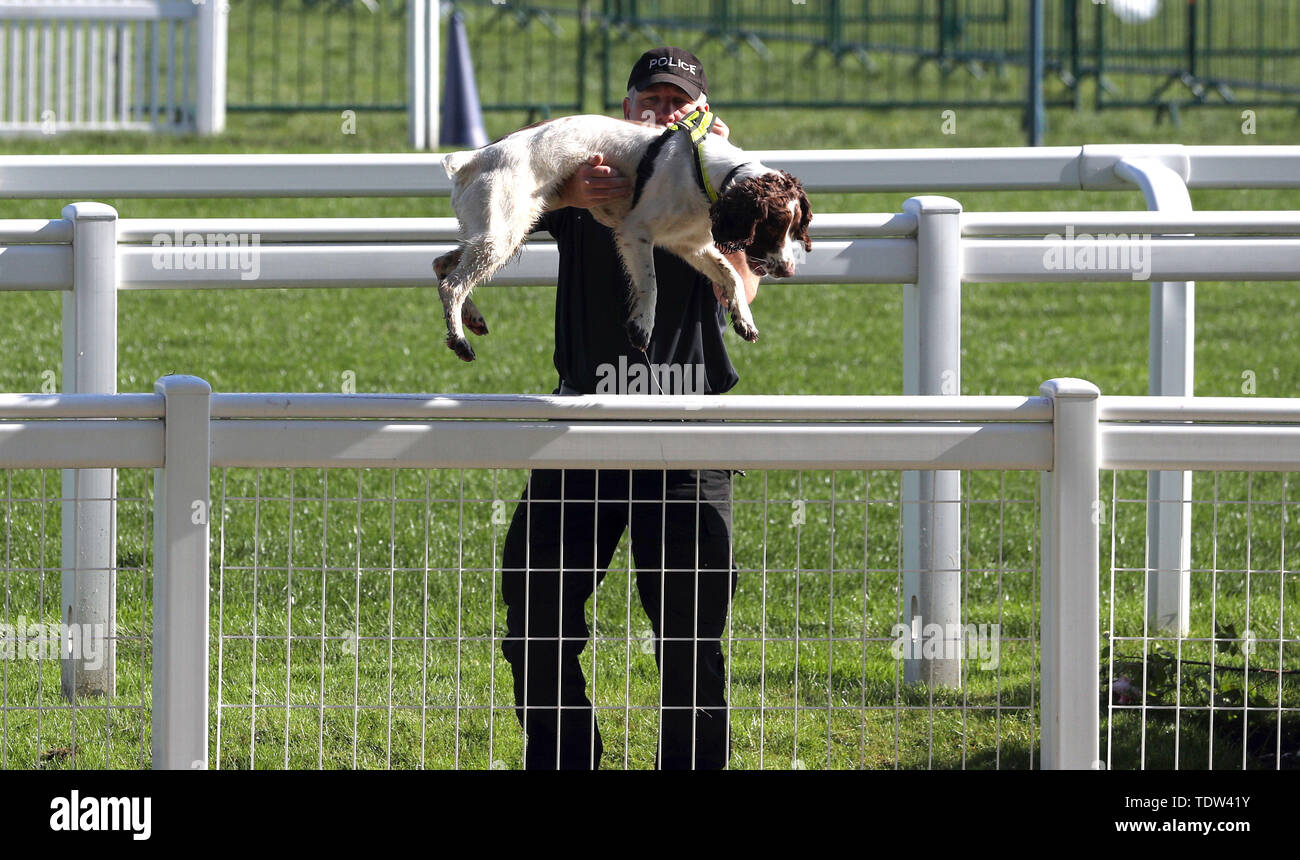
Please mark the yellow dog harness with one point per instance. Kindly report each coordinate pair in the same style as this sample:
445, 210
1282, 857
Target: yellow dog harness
695, 125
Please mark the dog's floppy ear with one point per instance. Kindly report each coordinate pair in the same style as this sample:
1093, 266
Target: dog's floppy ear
735, 216
805, 214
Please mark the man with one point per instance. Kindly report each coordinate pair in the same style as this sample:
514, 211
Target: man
568, 523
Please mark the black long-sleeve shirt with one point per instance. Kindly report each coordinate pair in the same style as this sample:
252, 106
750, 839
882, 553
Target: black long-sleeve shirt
687, 353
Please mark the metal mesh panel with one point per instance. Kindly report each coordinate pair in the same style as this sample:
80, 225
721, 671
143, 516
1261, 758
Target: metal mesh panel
1225, 695
359, 620
41, 726
554, 57
890, 54
304, 55
1202, 52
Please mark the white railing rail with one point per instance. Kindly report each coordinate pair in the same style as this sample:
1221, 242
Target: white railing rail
1068, 433
404, 174
1171, 353
1212, 433
877, 249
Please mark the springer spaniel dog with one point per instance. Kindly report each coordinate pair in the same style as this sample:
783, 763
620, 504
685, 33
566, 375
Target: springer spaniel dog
500, 190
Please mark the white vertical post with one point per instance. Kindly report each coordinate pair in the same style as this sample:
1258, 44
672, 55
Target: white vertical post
210, 65
89, 556
180, 579
931, 500
1071, 518
423, 66
417, 77
433, 90
1171, 374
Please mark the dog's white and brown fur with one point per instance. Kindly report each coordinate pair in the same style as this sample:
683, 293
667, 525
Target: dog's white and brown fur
500, 191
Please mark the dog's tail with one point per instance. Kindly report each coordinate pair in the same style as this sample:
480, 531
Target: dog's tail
456, 160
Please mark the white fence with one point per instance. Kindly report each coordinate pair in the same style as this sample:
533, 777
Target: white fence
931, 245
105, 65
1163, 173
1067, 433
154, 65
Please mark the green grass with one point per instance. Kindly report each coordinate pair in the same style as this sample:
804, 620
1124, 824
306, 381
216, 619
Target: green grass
852, 709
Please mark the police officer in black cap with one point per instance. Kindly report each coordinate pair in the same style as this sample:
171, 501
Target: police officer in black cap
568, 524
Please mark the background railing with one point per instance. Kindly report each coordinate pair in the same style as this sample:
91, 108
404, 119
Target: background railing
572, 56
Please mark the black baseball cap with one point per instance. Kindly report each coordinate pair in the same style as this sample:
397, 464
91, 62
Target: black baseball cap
669, 65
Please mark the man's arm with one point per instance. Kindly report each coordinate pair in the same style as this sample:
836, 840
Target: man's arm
590, 185
750, 280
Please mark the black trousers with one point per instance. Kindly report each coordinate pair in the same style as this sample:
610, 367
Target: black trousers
558, 548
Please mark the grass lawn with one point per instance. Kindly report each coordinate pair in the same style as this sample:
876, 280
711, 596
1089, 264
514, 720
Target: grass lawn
388, 578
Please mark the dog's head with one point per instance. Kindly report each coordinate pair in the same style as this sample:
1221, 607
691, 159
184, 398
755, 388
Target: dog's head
766, 216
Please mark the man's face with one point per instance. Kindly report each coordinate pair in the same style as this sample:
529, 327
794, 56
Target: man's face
661, 104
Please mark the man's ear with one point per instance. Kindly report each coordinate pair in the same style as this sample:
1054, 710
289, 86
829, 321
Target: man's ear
627, 109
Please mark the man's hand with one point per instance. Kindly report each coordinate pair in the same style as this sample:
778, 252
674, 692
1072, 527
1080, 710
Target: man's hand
719, 128
593, 184
741, 264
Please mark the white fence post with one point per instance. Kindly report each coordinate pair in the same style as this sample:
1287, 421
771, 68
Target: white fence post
1071, 517
89, 555
423, 67
1171, 374
210, 67
180, 577
432, 39
931, 500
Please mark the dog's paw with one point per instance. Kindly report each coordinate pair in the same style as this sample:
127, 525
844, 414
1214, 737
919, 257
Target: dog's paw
461, 347
444, 265
638, 335
744, 329
474, 322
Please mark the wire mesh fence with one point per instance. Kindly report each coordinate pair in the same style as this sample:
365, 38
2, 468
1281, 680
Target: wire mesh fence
305, 55
46, 722
1202, 52
764, 53
1226, 694
308, 55
570, 56
360, 619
